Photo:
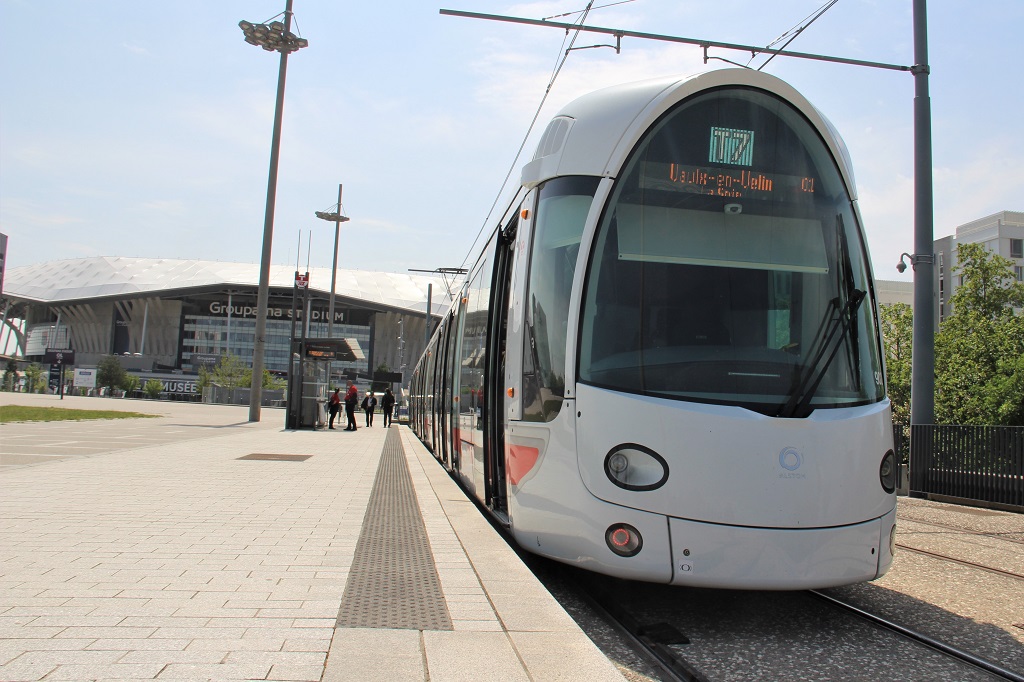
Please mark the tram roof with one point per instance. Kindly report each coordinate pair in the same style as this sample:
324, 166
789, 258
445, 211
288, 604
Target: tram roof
82, 279
606, 124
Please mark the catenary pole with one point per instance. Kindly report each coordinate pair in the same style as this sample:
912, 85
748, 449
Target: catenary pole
922, 388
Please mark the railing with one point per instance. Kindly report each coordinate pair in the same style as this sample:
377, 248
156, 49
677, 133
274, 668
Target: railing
984, 463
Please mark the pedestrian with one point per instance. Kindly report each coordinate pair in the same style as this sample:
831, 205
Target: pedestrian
334, 407
351, 400
387, 404
369, 403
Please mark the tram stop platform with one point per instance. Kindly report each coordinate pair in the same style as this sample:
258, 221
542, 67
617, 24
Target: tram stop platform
198, 545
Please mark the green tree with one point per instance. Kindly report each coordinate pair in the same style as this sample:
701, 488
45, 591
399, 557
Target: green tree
10, 374
231, 373
110, 373
898, 333
130, 383
979, 346
153, 388
272, 382
205, 379
378, 386
35, 379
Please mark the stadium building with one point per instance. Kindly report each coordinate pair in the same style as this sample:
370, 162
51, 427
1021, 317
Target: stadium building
169, 317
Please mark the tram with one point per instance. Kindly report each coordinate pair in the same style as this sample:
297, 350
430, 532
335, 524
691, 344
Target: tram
665, 363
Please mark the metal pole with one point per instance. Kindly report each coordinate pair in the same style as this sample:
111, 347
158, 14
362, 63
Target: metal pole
291, 419
260, 340
334, 280
145, 321
227, 336
620, 33
303, 330
334, 268
922, 392
426, 325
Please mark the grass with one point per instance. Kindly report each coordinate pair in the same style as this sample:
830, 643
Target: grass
21, 413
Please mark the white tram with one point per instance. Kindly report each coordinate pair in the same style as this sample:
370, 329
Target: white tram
665, 364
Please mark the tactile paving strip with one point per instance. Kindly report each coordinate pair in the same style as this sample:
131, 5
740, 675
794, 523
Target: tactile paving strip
393, 582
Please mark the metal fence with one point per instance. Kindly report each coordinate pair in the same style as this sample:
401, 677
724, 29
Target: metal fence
984, 463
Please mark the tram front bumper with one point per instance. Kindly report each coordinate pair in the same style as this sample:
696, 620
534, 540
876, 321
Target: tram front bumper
712, 555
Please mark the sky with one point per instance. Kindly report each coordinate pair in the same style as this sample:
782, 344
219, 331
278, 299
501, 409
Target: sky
143, 129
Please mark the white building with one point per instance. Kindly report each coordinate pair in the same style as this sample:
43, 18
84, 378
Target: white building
171, 316
1001, 233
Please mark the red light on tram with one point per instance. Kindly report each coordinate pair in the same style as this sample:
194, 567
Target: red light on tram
624, 539
525, 213
620, 537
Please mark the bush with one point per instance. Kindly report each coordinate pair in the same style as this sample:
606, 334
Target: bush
153, 388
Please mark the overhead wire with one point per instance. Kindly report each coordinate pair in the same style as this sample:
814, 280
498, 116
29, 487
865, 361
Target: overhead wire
564, 56
795, 31
569, 14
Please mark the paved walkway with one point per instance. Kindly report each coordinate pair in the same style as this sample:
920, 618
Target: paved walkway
179, 559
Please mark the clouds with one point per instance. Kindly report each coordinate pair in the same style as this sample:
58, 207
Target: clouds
146, 146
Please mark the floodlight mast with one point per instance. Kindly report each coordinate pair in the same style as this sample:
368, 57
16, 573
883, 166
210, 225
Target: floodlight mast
273, 37
922, 393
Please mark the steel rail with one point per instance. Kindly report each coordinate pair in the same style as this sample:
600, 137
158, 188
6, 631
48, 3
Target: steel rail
994, 536
670, 662
949, 650
997, 571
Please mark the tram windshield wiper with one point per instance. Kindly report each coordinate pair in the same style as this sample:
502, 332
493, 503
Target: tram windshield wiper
805, 389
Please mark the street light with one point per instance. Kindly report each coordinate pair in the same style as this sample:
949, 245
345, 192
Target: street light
337, 218
333, 215
273, 37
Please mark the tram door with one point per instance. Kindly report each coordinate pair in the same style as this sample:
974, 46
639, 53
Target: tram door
444, 350
497, 489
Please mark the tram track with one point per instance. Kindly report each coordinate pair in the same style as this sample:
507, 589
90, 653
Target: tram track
726, 631
953, 652
963, 562
651, 641
966, 531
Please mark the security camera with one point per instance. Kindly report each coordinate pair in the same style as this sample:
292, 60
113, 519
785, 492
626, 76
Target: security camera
901, 267
734, 208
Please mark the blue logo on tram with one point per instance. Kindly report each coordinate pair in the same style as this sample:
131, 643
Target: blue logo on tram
790, 459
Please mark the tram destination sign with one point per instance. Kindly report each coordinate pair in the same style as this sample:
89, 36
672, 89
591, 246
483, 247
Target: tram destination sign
723, 182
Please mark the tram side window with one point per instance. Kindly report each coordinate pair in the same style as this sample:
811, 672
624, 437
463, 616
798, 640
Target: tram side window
563, 205
472, 356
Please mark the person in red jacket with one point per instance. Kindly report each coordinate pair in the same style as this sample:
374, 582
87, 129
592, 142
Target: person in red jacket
334, 407
351, 400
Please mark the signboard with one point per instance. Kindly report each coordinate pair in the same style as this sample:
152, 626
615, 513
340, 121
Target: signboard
171, 383
301, 280
85, 378
59, 356
207, 360
731, 146
334, 349
387, 377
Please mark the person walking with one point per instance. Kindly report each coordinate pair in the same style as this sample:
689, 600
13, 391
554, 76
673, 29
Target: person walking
369, 403
333, 407
387, 404
351, 400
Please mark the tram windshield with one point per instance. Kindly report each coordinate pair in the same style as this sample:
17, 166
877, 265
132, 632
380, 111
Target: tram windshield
729, 266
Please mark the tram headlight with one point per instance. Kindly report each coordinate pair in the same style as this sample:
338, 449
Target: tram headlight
635, 467
624, 539
887, 472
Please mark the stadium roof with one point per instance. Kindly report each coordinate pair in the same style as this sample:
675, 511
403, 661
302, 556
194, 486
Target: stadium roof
103, 277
